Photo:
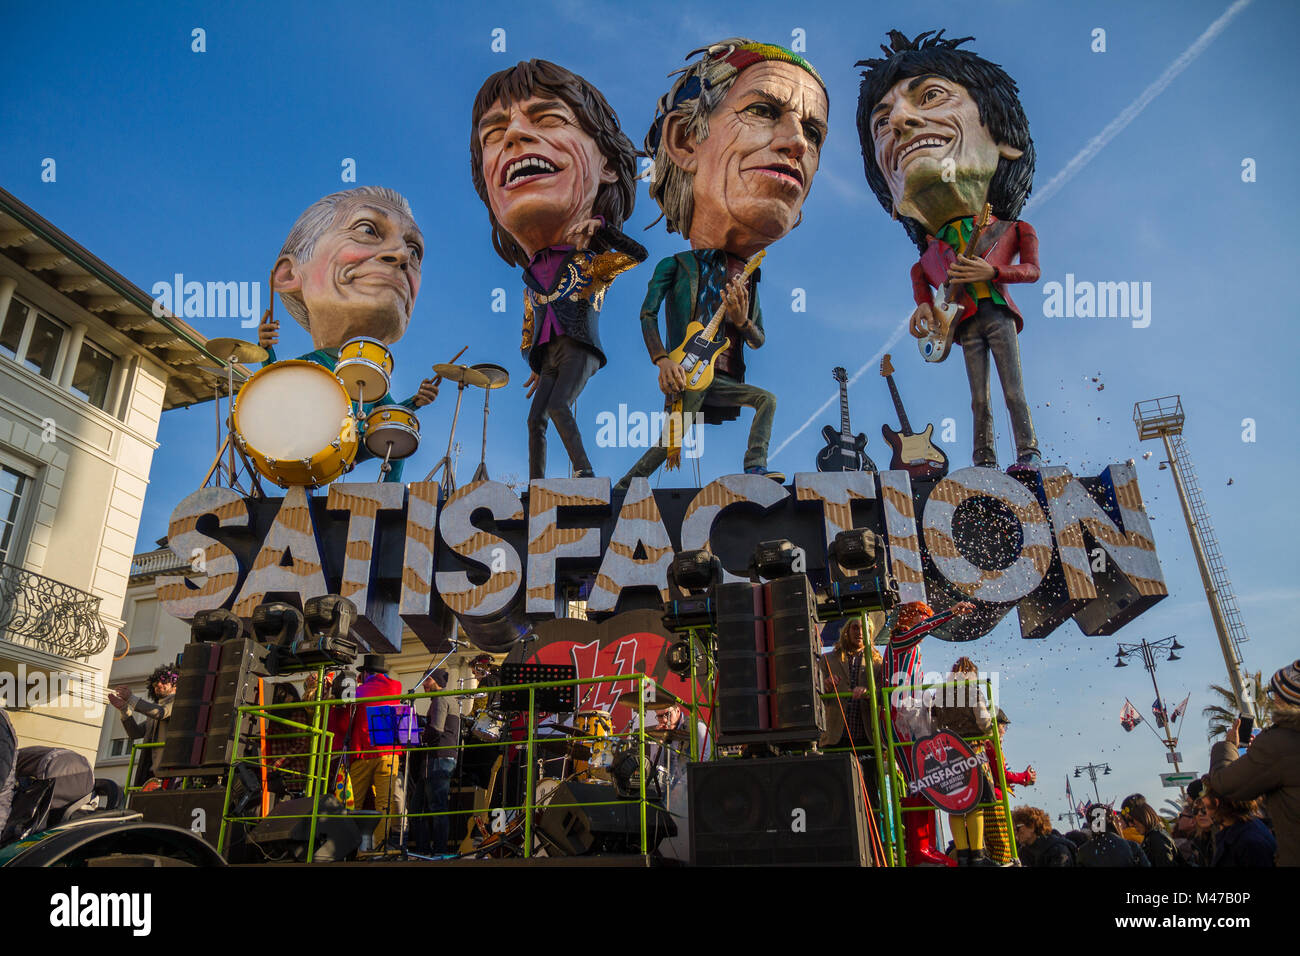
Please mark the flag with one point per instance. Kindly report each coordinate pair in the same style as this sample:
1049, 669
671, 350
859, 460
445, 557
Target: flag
1129, 716
1178, 711
1158, 711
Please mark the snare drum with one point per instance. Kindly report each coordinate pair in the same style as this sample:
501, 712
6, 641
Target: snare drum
365, 367
394, 425
294, 422
488, 728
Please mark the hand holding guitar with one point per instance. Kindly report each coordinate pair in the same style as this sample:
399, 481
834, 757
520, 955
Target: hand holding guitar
923, 320
672, 378
970, 269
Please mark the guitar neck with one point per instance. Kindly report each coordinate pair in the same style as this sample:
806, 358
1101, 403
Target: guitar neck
844, 411
711, 329
898, 405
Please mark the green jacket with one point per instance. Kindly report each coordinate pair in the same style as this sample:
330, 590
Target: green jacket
675, 285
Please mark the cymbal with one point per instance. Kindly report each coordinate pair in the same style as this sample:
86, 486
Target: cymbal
663, 700
462, 373
497, 376
237, 350
668, 735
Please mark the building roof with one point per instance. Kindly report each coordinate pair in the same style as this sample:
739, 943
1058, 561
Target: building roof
73, 271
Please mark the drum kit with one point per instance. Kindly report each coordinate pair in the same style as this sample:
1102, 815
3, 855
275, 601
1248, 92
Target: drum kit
486, 376
297, 423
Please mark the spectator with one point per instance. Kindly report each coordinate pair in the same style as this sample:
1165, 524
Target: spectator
1184, 829
1203, 832
1157, 844
156, 712
1242, 839
1270, 767
371, 768
1039, 844
1106, 846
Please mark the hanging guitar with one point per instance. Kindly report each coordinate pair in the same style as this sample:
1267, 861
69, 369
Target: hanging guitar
700, 350
913, 453
844, 450
938, 341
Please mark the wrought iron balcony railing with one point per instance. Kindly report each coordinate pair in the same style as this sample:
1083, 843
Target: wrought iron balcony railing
49, 615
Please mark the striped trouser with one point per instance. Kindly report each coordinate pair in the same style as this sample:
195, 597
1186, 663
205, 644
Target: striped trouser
996, 837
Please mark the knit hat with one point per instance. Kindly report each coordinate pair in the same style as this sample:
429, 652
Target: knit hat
1285, 685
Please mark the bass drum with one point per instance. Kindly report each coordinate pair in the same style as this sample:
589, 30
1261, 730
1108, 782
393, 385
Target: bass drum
294, 422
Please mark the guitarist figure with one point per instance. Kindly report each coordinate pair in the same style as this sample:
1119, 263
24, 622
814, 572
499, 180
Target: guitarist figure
943, 133
733, 164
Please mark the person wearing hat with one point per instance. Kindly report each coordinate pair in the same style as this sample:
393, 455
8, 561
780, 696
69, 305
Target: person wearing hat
1270, 767
371, 768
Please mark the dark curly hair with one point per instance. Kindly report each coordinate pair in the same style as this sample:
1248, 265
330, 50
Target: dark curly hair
614, 201
165, 673
993, 91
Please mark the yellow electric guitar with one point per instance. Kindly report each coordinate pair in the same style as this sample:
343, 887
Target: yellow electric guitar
703, 344
947, 306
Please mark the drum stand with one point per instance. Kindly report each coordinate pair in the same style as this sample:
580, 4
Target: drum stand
481, 472
228, 472
444, 463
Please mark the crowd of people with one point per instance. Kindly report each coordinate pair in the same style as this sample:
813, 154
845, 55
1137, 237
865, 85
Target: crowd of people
1244, 813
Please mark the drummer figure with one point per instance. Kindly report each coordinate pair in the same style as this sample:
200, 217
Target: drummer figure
350, 268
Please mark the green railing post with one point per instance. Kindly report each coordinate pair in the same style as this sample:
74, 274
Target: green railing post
528, 797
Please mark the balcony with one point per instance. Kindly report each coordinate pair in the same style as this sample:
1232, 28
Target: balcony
48, 615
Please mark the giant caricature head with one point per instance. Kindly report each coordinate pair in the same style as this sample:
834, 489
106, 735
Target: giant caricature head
736, 143
351, 266
546, 153
942, 132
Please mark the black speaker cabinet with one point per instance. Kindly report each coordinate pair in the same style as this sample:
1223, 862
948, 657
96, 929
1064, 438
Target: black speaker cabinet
744, 671
198, 811
613, 828
778, 811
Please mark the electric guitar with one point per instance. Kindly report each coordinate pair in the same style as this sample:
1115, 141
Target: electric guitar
938, 341
913, 453
844, 451
700, 350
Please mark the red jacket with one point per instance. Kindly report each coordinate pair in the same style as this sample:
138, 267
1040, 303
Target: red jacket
376, 685
1013, 779
1019, 239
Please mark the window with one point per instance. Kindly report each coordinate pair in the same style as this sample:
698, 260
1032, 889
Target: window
93, 373
119, 746
13, 484
11, 333
43, 348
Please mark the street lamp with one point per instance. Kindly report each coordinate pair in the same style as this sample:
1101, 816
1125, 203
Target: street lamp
1147, 649
1092, 769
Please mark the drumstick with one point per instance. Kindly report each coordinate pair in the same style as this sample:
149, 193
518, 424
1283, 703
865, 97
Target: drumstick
438, 378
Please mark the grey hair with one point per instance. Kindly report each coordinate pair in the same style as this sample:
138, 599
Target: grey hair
670, 185
313, 223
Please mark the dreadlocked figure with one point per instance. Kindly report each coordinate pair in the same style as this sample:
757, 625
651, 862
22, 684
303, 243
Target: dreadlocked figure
943, 133
154, 713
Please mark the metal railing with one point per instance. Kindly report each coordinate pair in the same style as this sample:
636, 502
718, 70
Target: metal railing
49, 615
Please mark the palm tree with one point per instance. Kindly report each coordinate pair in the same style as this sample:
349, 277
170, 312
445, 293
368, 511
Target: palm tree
1222, 714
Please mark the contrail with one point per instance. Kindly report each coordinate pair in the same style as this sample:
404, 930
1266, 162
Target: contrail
1130, 113
1054, 185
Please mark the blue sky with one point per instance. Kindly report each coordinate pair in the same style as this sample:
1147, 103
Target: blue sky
174, 161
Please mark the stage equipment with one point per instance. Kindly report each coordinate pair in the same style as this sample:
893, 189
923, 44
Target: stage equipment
612, 828
774, 559
679, 654
217, 624
691, 576
859, 576
554, 700
741, 683
780, 811
596, 760
293, 420
198, 811
282, 836
497, 377
392, 432
844, 451
365, 367
464, 376
799, 713
216, 679
629, 768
